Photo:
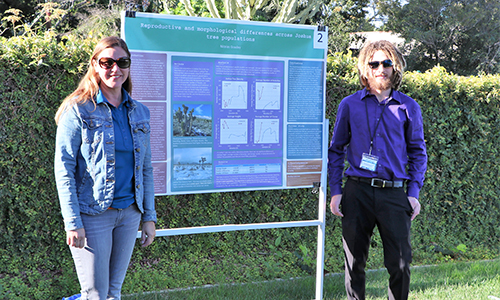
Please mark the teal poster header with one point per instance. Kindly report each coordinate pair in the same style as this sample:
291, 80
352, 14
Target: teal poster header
155, 32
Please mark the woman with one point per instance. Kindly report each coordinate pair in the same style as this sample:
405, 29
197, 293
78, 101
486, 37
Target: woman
103, 171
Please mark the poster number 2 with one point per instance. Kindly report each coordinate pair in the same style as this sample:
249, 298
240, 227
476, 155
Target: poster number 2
320, 39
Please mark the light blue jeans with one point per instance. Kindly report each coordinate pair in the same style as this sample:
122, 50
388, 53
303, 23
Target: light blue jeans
102, 264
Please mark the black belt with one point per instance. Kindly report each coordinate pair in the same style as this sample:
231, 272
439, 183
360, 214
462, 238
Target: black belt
379, 183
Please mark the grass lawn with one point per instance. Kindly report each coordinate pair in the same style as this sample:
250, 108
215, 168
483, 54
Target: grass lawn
455, 281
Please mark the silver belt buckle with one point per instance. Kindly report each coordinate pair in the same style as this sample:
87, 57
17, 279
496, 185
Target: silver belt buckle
374, 180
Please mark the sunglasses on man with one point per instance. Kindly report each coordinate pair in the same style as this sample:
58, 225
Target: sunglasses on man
385, 63
108, 63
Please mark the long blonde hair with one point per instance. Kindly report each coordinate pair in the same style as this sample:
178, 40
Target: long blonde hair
392, 52
89, 85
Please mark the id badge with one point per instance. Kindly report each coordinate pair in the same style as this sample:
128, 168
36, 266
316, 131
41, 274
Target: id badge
369, 162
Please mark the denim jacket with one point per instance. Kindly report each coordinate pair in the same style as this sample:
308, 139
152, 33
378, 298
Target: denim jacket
85, 164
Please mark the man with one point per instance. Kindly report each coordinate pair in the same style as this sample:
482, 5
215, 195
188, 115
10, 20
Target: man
381, 131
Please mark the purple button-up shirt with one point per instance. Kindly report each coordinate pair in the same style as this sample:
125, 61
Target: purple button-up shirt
398, 140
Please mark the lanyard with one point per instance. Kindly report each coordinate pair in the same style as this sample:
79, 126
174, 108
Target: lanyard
376, 126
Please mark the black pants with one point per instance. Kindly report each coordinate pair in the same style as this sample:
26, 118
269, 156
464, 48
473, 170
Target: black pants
364, 207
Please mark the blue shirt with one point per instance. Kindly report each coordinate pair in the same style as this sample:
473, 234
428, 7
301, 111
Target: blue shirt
124, 153
84, 161
398, 140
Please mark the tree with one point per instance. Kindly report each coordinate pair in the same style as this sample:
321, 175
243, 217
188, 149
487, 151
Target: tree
343, 18
461, 35
203, 160
280, 11
32, 16
11, 9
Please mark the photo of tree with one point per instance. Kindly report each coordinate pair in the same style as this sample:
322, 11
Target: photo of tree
192, 120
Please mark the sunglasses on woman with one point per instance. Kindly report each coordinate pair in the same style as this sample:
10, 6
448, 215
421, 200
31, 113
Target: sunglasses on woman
386, 63
108, 63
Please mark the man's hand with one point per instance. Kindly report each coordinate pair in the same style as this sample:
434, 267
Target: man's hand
335, 205
76, 238
415, 205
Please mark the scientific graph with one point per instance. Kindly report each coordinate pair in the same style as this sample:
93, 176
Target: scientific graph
266, 131
267, 95
233, 131
234, 94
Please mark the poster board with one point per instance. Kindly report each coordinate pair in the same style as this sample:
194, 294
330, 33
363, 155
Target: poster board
235, 105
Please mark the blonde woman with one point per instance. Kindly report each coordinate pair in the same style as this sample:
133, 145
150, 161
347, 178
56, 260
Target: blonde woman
103, 171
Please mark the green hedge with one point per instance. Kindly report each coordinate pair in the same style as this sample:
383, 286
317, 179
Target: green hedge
37, 73
459, 199
462, 128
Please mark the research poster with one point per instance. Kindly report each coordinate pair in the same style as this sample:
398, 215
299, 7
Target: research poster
235, 105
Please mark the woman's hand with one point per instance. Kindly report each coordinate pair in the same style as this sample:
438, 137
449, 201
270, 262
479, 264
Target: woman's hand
76, 238
148, 233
